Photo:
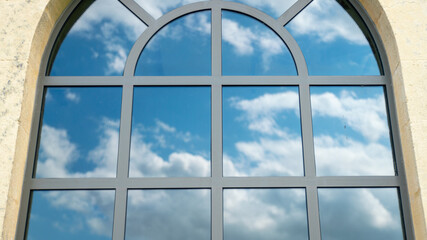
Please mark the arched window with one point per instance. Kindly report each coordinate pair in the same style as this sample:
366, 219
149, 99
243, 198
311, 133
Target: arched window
189, 119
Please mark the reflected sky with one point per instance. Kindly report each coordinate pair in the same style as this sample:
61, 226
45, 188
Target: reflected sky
156, 8
274, 8
183, 47
168, 214
360, 213
251, 48
331, 41
171, 129
80, 132
262, 131
351, 132
253, 214
69, 215
99, 41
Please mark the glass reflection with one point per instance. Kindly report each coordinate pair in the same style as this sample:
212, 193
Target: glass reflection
158, 8
253, 214
360, 213
334, 39
171, 132
168, 214
96, 40
262, 131
274, 8
183, 47
80, 132
70, 215
251, 48
351, 132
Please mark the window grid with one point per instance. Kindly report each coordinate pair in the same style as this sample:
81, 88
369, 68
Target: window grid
121, 184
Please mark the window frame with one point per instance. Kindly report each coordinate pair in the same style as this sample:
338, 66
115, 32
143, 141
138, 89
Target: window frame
122, 183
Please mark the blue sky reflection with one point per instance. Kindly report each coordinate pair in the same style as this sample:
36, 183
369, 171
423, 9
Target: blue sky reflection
331, 41
169, 214
99, 41
268, 214
360, 213
69, 215
251, 48
183, 47
80, 132
351, 132
262, 132
171, 132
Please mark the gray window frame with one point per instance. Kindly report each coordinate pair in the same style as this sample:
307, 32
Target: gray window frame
216, 183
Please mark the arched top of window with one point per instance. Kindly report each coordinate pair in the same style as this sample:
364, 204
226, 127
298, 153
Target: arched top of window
324, 37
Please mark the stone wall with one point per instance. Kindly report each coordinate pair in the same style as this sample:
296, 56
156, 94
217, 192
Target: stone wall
27, 24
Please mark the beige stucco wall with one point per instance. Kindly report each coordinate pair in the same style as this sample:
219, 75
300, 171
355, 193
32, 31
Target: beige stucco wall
25, 29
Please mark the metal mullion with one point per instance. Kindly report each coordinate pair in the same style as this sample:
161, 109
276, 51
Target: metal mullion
172, 80
399, 163
293, 11
138, 11
346, 80
123, 163
313, 213
309, 161
260, 80
217, 165
83, 81
216, 41
72, 183
169, 182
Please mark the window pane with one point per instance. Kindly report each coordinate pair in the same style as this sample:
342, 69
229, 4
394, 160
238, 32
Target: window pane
274, 8
253, 214
96, 40
171, 129
251, 48
158, 8
183, 47
351, 132
360, 213
70, 215
80, 132
262, 131
334, 39
168, 214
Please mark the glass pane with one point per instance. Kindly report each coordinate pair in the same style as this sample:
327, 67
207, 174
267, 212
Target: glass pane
183, 47
351, 132
334, 39
96, 40
171, 129
157, 8
274, 8
169, 214
70, 215
253, 214
251, 48
360, 213
262, 131
80, 132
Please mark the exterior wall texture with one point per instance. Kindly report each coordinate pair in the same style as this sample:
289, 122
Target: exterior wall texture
27, 24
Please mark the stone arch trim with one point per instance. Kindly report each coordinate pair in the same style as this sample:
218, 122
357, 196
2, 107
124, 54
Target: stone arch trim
383, 13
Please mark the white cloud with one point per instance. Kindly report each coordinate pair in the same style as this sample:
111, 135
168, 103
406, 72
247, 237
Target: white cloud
246, 39
277, 7
72, 96
102, 21
365, 115
339, 155
157, 8
327, 21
